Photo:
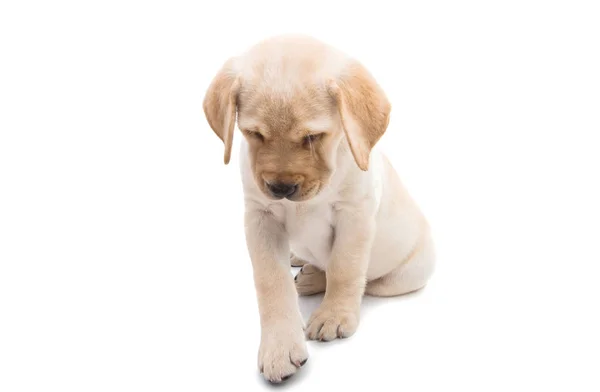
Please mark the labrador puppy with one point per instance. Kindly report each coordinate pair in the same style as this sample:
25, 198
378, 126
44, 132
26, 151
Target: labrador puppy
317, 191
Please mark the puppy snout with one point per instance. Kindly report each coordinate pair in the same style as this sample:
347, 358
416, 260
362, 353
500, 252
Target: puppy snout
282, 189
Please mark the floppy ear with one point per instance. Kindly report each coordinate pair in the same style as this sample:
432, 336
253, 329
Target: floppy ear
220, 105
364, 110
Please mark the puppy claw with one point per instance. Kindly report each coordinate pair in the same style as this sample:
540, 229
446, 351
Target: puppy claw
301, 363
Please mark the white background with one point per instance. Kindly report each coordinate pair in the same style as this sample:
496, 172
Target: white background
123, 264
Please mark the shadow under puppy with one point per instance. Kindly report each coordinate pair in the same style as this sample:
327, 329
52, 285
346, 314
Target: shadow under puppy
315, 187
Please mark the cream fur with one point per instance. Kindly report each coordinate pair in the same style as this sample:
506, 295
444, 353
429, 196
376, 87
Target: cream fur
361, 233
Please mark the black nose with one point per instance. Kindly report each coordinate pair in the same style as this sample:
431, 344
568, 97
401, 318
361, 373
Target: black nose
281, 189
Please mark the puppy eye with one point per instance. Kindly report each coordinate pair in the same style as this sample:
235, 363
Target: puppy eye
256, 135
309, 139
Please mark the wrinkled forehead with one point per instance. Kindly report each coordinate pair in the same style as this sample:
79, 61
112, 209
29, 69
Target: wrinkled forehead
285, 108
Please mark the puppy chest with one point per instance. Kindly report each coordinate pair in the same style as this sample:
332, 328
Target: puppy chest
310, 230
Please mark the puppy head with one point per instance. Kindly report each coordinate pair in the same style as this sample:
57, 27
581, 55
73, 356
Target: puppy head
296, 100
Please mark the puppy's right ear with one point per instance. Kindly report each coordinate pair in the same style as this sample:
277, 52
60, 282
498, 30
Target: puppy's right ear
220, 105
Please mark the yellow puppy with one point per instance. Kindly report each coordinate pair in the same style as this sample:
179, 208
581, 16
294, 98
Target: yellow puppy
315, 186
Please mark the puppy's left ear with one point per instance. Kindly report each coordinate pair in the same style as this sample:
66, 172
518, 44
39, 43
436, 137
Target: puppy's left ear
364, 110
220, 105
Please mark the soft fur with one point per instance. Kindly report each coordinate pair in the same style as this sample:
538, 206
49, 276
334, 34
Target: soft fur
312, 116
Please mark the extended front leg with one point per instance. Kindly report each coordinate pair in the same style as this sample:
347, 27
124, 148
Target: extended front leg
282, 347
338, 314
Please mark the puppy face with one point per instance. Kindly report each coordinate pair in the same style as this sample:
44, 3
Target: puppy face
296, 99
292, 139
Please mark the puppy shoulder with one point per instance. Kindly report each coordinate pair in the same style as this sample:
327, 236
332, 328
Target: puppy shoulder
362, 190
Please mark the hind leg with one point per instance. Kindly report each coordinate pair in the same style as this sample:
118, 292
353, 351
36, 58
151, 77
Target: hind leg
296, 261
410, 276
310, 280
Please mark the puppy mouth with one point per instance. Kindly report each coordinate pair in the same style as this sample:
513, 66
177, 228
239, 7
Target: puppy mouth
293, 197
305, 194
301, 194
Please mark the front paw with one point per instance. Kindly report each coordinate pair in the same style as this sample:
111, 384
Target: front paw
331, 322
282, 352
